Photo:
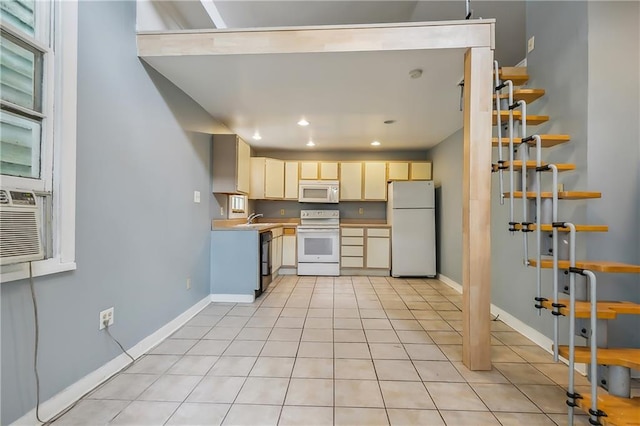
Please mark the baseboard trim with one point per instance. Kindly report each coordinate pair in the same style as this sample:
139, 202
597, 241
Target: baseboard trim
233, 298
68, 396
530, 333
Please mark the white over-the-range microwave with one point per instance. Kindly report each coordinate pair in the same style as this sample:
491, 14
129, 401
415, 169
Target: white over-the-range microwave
319, 191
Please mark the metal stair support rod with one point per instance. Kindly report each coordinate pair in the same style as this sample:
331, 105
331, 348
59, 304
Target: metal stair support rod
593, 342
538, 221
511, 179
499, 122
554, 230
572, 315
524, 155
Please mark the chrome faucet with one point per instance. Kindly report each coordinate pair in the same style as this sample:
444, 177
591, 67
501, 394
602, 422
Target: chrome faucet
253, 216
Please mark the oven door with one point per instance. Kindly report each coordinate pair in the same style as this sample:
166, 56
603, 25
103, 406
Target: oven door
318, 245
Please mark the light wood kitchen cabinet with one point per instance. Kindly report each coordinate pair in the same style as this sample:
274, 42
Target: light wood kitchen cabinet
375, 181
378, 253
291, 180
329, 171
352, 248
231, 165
350, 181
257, 178
309, 170
276, 250
398, 170
420, 170
289, 247
274, 178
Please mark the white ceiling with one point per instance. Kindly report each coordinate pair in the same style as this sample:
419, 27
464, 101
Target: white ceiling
345, 96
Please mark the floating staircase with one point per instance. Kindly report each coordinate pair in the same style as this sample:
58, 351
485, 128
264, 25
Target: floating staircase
605, 310
548, 141
609, 368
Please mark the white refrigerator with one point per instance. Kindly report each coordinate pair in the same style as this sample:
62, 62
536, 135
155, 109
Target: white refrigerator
411, 214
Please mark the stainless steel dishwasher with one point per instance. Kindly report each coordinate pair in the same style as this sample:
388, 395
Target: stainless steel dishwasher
265, 262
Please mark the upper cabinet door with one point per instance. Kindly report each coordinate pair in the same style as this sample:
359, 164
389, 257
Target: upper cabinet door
244, 167
421, 170
375, 181
274, 178
329, 171
291, 180
309, 170
230, 165
351, 181
398, 170
257, 178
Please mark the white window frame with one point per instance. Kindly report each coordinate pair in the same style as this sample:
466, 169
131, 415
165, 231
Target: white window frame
58, 145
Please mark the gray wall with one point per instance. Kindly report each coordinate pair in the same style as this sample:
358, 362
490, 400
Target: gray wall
592, 94
447, 177
614, 151
348, 209
140, 155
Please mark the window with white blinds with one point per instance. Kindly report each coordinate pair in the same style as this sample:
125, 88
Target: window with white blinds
21, 88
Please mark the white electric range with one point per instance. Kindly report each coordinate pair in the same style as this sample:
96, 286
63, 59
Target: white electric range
319, 242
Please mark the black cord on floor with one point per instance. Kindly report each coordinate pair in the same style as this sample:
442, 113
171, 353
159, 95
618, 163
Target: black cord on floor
36, 339
35, 357
106, 328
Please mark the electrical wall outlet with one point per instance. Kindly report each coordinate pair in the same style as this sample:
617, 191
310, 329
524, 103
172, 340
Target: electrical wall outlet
221, 211
188, 283
360, 210
106, 317
530, 44
281, 212
196, 196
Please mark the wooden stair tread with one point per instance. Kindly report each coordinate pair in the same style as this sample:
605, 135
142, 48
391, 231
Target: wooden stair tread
562, 195
604, 310
532, 120
562, 167
518, 75
547, 141
527, 95
546, 227
623, 357
592, 265
620, 411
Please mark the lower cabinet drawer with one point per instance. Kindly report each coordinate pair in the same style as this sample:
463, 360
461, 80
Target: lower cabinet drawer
378, 232
352, 241
352, 232
353, 251
352, 262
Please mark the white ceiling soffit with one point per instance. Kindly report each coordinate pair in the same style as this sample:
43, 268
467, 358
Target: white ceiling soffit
345, 96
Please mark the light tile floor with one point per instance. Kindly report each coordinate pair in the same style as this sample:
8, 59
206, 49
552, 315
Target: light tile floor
332, 351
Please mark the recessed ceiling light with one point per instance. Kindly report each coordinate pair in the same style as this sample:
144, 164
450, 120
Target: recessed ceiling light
389, 121
257, 136
310, 143
303, 122
375, 143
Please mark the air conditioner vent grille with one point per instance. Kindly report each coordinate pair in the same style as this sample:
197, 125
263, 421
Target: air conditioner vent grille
19, 227
18, 234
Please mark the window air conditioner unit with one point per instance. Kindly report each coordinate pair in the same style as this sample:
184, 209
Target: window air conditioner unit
19, 227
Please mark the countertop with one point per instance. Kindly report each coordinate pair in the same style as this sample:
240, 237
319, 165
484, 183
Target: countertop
269, 224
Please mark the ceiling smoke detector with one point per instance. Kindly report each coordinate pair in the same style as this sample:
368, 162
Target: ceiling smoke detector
417, 73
